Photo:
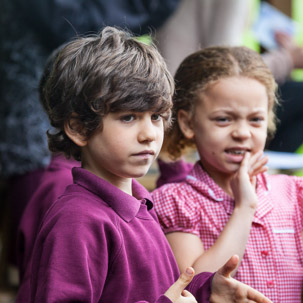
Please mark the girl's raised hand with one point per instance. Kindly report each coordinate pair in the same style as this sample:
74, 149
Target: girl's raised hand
257, 164
243, 183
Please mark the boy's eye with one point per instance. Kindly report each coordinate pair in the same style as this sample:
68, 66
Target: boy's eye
156, 117
128, 118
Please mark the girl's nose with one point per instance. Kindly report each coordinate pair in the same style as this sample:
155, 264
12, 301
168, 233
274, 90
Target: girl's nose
241, 132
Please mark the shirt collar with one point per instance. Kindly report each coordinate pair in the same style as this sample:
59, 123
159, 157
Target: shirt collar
126, 206
202, 182
265, 202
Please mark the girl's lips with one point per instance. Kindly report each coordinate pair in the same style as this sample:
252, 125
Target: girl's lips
235, 155
237, 151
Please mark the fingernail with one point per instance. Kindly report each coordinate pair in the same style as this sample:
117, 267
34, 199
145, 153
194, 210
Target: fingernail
189, 271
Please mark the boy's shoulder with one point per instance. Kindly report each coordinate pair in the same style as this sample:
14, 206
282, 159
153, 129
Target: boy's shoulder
80, 207
80, 217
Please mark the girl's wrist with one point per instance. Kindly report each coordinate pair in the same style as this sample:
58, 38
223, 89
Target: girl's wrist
246, 208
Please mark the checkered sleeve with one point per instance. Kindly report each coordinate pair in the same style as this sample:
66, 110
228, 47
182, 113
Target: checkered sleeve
176, 210
299, 187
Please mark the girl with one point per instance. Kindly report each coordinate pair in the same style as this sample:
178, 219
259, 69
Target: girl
224, 105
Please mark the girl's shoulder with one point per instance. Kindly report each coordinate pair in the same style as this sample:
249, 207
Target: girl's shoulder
282, 185
283, 180
177, 192
177, 208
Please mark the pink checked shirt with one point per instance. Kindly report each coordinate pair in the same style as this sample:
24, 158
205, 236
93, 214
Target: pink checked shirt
273, 259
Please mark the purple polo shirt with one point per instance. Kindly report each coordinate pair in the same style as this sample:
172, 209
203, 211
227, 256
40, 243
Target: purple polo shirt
52, 183
99, 244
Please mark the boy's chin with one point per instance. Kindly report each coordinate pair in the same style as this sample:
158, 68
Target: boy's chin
140, 173
137, 173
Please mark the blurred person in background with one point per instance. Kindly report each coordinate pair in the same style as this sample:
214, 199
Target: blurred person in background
201, 23
282, 61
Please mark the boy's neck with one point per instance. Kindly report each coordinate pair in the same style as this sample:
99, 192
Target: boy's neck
124, 184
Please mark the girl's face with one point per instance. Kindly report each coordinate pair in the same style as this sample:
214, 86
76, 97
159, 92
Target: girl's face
230, 119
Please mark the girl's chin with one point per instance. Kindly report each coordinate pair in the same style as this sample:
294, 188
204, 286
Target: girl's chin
229, 169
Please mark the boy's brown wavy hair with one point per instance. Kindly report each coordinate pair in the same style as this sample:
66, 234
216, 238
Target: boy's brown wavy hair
92, 76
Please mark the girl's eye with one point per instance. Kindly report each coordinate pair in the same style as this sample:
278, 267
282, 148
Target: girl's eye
222, 119
128, 118
257, 119
156, 117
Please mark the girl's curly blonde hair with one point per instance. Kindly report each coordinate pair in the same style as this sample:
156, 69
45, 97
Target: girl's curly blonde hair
202, 69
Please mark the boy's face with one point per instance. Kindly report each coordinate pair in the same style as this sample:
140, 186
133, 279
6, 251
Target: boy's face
230, 119
126, 146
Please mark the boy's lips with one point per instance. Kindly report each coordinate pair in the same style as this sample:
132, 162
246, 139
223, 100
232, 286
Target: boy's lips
144, 153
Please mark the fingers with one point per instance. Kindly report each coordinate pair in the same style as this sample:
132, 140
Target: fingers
253, 164
257, 164
256, 296
187, 294
257, 157
249, 159
185, 278
229, 266
177, 289
244, 166
245, 161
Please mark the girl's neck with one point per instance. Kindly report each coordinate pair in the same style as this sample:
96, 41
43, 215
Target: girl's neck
222, 180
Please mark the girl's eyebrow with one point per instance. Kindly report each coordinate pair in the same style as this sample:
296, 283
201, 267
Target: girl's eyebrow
223, 110
259, 111
232, 112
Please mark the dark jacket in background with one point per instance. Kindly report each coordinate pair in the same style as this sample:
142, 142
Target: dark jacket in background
29, 31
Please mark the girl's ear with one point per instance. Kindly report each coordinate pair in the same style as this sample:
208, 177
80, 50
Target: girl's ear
185, 123
71, 129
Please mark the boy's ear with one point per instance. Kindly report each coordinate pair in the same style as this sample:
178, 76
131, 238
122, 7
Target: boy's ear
72, 131
185, 123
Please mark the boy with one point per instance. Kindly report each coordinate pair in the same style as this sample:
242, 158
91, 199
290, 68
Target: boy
109, 98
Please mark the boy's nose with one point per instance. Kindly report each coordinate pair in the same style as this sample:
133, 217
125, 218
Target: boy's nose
147, 132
